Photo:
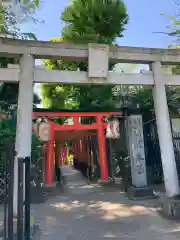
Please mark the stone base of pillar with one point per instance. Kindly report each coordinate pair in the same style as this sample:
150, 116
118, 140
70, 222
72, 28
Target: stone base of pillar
170, 207
135, 193
37, 195
50, 186
106, 182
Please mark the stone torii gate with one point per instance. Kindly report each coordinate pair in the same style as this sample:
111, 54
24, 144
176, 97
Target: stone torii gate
98, 57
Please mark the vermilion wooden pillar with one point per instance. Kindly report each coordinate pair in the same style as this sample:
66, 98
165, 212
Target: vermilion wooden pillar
87, 151
49, 167
81, 150
62, 154
44, 163
76, 121
58, 154
78, 150
65, 155
84, 148
102, 148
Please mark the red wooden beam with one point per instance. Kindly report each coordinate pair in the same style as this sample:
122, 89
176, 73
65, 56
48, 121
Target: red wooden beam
62, 136
73, 114
79, 127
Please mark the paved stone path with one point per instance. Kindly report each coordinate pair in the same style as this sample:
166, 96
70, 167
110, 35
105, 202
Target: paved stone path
84, 212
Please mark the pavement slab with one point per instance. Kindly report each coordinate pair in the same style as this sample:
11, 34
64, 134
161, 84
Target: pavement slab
85, 212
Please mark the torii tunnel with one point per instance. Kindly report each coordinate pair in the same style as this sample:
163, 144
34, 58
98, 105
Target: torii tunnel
77, 133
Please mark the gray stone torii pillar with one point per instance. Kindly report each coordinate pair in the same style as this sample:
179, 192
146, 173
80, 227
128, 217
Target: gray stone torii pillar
24, 116
164, 132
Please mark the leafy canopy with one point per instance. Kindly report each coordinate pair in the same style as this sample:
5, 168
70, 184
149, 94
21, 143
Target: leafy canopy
9, 21
13, 15
87, 21
94, 21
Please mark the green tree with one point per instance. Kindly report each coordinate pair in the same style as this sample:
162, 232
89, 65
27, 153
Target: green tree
87, 21
142, 96
94, 21
9, 20
12, 15
173, 30
139, 99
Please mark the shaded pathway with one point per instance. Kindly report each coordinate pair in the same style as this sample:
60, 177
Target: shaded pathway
85, 212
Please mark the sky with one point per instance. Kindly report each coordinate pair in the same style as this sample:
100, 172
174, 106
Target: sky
144, 20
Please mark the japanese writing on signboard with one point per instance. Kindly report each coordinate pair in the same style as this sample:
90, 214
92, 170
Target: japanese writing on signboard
138, 145
136, 150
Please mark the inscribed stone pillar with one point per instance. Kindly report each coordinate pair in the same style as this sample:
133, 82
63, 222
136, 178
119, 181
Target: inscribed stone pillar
136, 151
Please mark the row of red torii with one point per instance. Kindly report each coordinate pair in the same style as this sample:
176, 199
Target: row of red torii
76, 133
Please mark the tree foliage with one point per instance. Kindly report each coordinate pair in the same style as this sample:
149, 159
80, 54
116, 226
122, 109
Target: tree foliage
86, 21
142, 96
9, 91
9, 20
94, 21
139, 99
174, 26
12, 15
100, 22
173, 30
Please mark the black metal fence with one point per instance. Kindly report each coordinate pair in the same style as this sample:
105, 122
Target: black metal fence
20, 227
176, 143
6, 185
152, 150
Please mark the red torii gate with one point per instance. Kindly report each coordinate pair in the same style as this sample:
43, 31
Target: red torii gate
99, 125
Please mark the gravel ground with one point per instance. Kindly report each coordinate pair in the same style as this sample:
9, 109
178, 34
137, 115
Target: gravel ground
86, 212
